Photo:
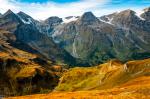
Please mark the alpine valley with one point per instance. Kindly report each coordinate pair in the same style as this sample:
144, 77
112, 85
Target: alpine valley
76, 57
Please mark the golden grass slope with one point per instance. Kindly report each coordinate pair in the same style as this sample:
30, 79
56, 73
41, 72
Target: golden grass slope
17, 72
23, 73
112, 80
105, 76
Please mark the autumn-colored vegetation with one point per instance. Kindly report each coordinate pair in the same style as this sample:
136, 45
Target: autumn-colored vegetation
112, 80
22, 73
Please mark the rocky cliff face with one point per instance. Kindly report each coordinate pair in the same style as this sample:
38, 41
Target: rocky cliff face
48, 25
25, 30
124, 35
9, 21
146, 14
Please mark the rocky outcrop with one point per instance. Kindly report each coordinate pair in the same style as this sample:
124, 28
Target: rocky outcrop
88, 19
9, 21
123, 35
25, 29
48, 25
146, 14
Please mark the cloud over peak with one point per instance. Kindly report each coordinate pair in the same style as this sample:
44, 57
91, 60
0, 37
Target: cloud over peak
44, 10
49, 8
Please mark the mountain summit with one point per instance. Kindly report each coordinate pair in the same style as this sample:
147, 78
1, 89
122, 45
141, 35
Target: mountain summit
9, 12
9, 21
146, 14
88, 18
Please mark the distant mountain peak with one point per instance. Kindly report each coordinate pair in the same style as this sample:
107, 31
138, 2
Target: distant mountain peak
9, 21
23, 14
25, 18
147, 9
9, 12
70, 19
126, 15
88, 13
128, 12
146, 14
89, 17
53, 19
20, 12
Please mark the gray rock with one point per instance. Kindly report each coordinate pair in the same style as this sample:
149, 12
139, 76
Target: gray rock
146, 14
95, 40
25, 29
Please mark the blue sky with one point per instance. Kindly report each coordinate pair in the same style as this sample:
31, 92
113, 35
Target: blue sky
42, 9
111, 2
129, 3
44, 1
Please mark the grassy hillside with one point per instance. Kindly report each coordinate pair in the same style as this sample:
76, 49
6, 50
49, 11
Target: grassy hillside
24, 73
21, 76
105, 76
112, 80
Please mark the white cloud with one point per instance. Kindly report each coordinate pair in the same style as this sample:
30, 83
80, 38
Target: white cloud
45, 10
42, 11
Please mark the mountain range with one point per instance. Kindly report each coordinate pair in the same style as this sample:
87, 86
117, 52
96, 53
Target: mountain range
123, 35
35, 55
87, 39
27, 34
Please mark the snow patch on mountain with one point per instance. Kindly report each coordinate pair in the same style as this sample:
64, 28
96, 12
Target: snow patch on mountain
25, 22
139, 13
69, 19
108, 22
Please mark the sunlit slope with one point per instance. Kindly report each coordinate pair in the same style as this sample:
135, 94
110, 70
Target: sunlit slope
105, 76
112, 80
23, 73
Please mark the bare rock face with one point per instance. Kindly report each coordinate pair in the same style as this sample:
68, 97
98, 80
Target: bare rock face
122, 35
146, 14
88, 18
48, 25
129, 20
24, 28
124, 18
53, 20
9, 21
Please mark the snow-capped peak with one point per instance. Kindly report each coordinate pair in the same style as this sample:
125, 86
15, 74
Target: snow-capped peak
24, 21
69, 19
139, 13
